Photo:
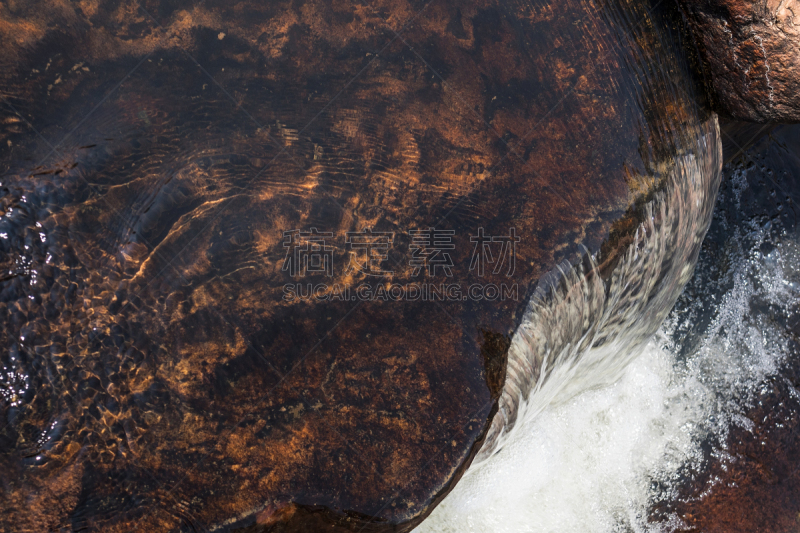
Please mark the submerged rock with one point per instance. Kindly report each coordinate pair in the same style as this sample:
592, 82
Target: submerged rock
751, 53
192, 196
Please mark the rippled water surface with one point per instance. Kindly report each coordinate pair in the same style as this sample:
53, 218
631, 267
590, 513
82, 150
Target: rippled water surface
186, 194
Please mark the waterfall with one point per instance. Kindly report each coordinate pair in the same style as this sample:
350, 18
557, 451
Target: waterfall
580, 331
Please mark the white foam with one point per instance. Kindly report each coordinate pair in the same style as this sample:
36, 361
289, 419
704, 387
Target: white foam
591, 464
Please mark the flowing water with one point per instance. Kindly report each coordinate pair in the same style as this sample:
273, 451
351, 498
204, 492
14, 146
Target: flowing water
607, 459
154, 377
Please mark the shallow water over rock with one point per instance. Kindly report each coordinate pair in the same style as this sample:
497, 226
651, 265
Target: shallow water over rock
192, 196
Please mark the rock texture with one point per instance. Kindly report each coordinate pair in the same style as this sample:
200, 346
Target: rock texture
751, 53
156, 377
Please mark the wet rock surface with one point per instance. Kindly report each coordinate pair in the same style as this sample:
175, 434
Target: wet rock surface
751, 53
750, 480
159, 163
737, 137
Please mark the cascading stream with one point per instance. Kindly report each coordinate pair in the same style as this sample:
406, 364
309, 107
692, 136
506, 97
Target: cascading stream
580, 331
641, 453
150, 347
587, 321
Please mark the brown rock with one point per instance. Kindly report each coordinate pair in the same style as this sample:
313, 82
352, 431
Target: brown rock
163, 377
751, 53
